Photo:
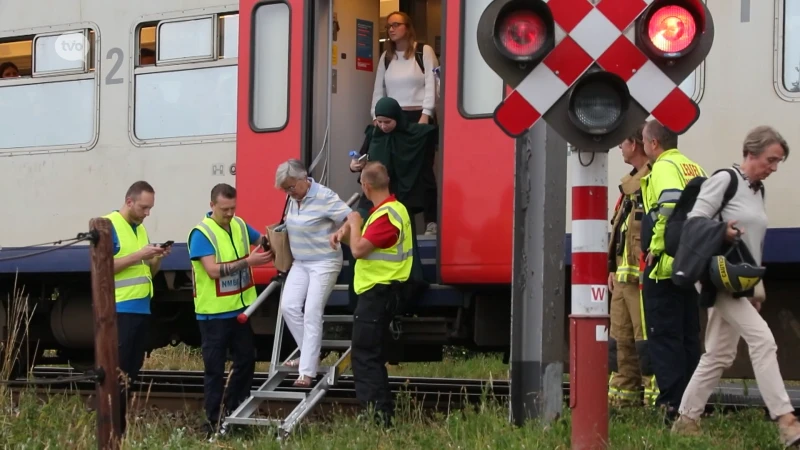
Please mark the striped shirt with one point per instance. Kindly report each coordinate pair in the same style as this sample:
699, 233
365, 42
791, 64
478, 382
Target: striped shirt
310, 224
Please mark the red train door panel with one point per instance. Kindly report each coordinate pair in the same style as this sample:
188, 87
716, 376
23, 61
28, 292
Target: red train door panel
272, 45
477, 158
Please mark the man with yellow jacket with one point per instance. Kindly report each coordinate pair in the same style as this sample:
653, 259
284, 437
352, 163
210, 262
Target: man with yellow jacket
629, 361
222, 280
671, 313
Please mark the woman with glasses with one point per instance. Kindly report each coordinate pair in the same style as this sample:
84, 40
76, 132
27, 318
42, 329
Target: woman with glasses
406, 73
313, 213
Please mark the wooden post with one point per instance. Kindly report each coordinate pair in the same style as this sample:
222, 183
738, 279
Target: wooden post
105, 335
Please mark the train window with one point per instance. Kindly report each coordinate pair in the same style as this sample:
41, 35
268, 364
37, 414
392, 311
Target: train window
229, 36
791, 47
60, 52
270, 98
195, 102
481, 89
183, 40
186, 81
48, 93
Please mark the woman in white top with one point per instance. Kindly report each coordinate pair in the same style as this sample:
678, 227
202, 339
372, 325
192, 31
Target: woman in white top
410, 80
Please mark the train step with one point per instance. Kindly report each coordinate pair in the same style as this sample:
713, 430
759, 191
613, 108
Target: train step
278, 372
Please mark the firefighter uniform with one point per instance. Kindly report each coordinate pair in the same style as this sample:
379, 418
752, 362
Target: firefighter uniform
217, 303
628, 359
132, 286
380, 283
672, 323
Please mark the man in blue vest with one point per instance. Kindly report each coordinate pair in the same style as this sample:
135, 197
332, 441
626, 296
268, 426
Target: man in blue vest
136, 261
222, 278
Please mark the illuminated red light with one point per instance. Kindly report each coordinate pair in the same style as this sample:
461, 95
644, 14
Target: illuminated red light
672, 29
522, 33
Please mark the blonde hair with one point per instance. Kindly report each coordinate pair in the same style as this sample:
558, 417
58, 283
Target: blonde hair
375, 175
761, 137
411, 36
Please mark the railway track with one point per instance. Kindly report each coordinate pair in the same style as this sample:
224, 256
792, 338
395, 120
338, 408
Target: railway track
178, 390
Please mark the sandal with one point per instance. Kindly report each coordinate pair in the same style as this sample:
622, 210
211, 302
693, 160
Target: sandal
302, 381
292, 363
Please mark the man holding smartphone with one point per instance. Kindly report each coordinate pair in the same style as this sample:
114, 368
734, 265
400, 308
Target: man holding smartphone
222, 280
135, 263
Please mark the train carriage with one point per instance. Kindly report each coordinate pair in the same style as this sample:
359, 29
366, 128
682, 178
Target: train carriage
190, 94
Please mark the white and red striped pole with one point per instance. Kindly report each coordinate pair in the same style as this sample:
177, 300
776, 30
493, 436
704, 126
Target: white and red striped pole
589, 319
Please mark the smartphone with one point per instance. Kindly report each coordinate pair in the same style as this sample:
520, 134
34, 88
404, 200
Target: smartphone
167, 244
363, 157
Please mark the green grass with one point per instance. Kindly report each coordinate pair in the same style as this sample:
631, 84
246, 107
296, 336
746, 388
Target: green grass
64, 422
457, 363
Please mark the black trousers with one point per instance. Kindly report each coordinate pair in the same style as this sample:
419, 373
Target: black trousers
219, 336
672, 318
371, 319
132, 330
427, 176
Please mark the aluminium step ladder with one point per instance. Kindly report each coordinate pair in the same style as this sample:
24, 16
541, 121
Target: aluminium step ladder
243, 415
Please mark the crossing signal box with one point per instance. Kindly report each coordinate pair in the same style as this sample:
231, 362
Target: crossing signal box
595, 72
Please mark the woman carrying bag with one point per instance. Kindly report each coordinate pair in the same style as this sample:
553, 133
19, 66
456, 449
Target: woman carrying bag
313, 212
730, 317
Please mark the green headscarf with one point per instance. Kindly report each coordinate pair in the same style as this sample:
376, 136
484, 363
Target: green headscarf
402, 150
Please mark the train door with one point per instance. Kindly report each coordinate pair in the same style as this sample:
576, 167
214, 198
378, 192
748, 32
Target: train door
271, 112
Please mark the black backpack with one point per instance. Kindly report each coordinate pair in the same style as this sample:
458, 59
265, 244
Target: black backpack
674, 226
417, 56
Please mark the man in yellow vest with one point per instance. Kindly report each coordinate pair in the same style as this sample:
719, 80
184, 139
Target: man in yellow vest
135, 264
219, 247
383, 251
629, 361
671, 313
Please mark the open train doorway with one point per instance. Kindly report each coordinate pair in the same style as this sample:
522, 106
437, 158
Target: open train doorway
350, 36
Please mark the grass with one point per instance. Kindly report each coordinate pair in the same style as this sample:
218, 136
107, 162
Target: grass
65, 423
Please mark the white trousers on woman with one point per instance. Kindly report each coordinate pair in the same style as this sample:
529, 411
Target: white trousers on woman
729, 319
308, 283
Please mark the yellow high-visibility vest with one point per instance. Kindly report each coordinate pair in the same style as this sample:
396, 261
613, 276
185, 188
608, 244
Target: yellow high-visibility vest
231, 292
135, 281
383, 266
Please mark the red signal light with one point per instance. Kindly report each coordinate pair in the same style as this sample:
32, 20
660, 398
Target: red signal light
521, 33
672, 29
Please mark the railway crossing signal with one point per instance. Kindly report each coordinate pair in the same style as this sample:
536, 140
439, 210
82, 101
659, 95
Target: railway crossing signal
591, 75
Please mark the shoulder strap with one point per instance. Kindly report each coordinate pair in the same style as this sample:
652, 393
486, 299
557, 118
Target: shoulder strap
285, 207
730, 191
418, 56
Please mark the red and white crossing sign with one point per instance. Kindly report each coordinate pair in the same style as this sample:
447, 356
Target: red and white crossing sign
588, 34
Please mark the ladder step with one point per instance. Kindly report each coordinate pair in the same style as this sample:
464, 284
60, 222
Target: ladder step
252, 421
335, 344
321, 370
337, 319
278, 395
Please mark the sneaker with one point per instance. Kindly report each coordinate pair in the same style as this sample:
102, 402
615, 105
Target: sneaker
790, 432
686, 426
431, 229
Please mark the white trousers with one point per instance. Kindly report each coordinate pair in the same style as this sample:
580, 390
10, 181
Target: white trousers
309, 284
729, 319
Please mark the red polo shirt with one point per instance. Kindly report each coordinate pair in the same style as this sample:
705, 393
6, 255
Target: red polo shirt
381, 233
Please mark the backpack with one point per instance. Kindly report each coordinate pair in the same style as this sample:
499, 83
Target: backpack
417, 56
674, 226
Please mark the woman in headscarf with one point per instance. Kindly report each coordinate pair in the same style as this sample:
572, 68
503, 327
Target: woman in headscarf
399, 145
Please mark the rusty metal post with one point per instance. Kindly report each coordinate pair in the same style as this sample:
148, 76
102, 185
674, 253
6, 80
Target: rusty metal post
105, 335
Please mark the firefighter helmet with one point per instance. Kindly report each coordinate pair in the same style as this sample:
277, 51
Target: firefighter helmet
734, 278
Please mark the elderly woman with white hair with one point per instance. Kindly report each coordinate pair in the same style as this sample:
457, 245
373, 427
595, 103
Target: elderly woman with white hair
312, 214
